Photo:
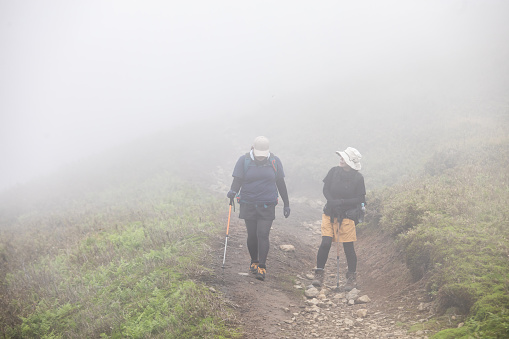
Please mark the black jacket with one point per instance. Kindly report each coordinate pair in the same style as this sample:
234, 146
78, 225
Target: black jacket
344, 190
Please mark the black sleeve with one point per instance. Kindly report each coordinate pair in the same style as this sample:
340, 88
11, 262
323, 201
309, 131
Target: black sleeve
236, 184
326, 192
360, 194
281, 187
352, 202
362, 190
326, 185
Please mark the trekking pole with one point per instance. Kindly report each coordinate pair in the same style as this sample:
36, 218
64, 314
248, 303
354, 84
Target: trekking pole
340, 221
227, 229
337, 259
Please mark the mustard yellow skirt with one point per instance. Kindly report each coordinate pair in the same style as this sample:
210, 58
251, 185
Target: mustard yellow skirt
345, 233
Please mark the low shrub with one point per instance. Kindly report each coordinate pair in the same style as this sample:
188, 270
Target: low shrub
452, 228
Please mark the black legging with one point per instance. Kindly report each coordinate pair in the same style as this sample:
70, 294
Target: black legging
258, 240
323, 254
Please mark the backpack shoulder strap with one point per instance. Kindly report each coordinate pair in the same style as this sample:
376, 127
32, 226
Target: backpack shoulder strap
273, 162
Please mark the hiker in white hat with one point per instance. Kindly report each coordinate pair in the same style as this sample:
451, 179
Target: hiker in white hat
345, 193
258, 176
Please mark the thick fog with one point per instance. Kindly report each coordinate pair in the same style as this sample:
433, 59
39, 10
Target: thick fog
79, 77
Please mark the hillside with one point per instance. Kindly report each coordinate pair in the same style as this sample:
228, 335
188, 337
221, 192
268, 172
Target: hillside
102, 246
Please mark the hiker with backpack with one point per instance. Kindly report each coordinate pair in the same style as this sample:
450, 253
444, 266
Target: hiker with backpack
258, 176
345, 193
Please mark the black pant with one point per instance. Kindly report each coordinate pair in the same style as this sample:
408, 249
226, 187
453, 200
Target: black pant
323, 254
258, 240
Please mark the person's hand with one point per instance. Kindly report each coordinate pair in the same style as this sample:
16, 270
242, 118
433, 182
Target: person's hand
335, 203
231, 194
286, 211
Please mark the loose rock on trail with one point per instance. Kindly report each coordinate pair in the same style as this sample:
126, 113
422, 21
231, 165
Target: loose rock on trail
385, 304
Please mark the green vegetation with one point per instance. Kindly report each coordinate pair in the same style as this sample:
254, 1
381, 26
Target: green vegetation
120, 270
114, 247
452, 226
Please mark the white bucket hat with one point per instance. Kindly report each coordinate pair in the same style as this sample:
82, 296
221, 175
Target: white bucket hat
261, 147
352, 157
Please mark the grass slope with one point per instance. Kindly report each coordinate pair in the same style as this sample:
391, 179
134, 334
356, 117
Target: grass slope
125, 268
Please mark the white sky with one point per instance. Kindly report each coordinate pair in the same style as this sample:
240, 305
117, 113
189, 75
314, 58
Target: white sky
77, 77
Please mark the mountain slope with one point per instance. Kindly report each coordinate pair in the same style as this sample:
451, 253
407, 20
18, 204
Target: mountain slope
431, 178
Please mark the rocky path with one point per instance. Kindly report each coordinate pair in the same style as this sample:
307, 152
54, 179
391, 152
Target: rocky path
385, 305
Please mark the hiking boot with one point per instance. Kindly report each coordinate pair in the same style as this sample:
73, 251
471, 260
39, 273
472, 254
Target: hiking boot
254, 268
351, 281
260, 275
319, 276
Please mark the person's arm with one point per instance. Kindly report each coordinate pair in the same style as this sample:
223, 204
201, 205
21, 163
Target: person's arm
236, 184
351, 203
238, 175
326, 192
326, 185
281, 187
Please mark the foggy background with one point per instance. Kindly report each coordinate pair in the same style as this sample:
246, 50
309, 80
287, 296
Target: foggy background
78, 78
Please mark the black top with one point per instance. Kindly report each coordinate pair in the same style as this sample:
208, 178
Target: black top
343, 188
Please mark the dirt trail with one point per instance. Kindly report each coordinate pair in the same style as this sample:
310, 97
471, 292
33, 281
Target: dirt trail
275, 308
